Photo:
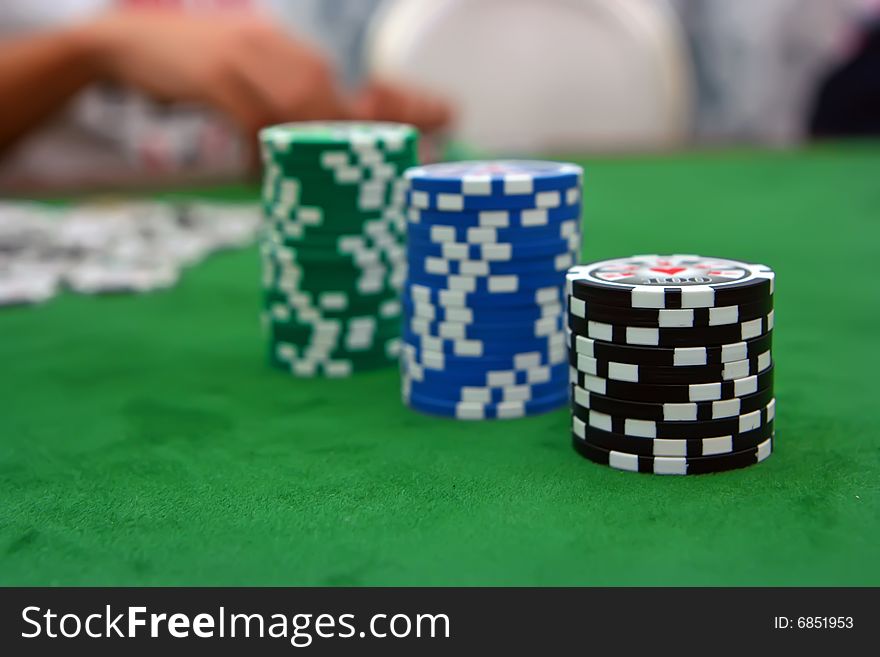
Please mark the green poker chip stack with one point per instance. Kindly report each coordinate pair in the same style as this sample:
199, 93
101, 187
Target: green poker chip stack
333, 244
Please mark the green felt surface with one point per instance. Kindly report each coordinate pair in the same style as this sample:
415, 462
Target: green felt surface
143, 440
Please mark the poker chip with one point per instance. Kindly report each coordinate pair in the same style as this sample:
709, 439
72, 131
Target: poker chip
671, 337
674, 357
674, 465
446, 298
632, 372
671, 411
702, 446
509, 218
672, 318
631, 427
484, 325
676, 393
442, 233
670, 363
567, 197
333, 244
472, 410
675, 281
498, 180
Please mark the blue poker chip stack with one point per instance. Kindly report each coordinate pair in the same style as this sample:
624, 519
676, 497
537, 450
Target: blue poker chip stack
488, 247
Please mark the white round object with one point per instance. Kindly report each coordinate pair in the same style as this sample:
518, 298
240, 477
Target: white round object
528, 75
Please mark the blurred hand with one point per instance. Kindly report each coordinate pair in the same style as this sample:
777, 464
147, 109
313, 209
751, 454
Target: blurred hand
383, 101
240, 64
245, 67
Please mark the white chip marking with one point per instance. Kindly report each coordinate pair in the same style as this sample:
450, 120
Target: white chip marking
688, 356
752, 329
563, 261
578, 307
516, 393
547, 295
623, 372
497, 252
546, 326
600, 421
494, 219
463, 283
482, 235
667, 465
537, 375
642, 335
501, 378
434, 265
508, 410
518, 183
667, 448
451, 331
469, 411
503, 283
476, 185
676, 318
595, 384
450, 202
468, 348
527, 360
587, 365
717, 445
679, 412
736, 369
454, 251
750, 421
643, 296
548, 199
736, 351
465, 315
535, 217
726, 408
704, 392
697, 296
621, 461
723, 315
473, 267
476, 395
442, 234
600, 331
420, 200
584, 345
746, 386
640, 428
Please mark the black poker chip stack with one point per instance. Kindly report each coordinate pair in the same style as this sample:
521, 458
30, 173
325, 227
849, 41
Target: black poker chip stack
671, 363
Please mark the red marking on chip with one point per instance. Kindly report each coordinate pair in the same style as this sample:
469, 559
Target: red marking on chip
671, 271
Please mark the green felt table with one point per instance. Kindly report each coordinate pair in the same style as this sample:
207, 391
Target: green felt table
144, 440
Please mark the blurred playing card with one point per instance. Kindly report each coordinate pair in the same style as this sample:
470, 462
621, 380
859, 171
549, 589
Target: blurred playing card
118, 247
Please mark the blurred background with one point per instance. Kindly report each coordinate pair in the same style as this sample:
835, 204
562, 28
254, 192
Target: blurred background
142, 101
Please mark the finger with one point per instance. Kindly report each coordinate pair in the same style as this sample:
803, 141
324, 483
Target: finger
273, 91
298, 81
365, 106
427, 111
439, 112
390, 102
236, 101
